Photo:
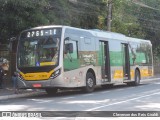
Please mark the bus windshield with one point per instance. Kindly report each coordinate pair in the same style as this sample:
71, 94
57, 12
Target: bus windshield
38, 51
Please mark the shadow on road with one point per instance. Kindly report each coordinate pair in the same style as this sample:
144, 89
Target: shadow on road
73, 92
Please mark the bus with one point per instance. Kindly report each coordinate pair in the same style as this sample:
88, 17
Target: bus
57, 57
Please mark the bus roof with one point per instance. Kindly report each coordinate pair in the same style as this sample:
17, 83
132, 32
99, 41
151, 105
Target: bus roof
98, 33
138, 40
45, 27
101, 33
109, 35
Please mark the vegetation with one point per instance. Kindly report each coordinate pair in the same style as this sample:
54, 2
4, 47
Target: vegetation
135, 18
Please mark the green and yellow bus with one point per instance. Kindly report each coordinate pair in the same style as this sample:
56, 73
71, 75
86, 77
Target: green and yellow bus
55, 57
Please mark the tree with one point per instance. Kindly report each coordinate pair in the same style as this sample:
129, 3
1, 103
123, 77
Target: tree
149, 17
135, 18
124, 20
17, 15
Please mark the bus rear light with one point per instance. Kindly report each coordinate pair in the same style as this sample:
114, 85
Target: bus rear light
37, 85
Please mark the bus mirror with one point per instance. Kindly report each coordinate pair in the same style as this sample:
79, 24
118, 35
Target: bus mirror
67, 38
69, 48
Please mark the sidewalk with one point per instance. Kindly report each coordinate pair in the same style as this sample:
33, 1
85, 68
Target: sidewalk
8, 92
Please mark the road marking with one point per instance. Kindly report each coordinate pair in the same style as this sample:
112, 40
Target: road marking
96, 108
41, 100
87, 94
131, 87
68, 98
105, 92
119, 89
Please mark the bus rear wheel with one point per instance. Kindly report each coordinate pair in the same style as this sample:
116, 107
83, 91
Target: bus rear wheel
51, 91
90, 82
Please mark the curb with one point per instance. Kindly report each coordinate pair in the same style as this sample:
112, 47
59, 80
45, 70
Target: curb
19, 95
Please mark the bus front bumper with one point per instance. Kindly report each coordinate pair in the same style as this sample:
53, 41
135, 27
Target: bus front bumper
40, 84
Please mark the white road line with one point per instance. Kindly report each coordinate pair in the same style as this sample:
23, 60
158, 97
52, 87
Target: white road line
68, 98
105, 92
120, 89
87, 94
96, 108
131, 87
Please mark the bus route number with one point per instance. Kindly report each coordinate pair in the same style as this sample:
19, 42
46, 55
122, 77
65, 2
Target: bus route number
41, 33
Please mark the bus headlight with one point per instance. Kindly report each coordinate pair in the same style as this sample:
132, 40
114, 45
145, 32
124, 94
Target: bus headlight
56, 73
19, 76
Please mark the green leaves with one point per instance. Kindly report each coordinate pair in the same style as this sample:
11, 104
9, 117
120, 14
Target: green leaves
131, 17
17, 15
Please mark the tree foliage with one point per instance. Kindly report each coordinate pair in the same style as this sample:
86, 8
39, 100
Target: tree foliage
17, 15
135, 18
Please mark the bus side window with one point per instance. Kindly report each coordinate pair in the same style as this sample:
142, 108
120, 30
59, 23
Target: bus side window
71, 60
145, 49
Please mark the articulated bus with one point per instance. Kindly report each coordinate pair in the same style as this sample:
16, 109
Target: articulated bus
56, 57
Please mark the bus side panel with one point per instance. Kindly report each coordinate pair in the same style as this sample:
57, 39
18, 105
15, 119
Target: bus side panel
141, 58
116, 61
84, 56
77, 77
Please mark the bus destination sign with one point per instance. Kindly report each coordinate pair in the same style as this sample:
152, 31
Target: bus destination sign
44, 32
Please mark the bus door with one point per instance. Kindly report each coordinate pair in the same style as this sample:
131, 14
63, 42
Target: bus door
126, 61
105, 61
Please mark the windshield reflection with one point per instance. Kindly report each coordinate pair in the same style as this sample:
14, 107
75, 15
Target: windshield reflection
42, 51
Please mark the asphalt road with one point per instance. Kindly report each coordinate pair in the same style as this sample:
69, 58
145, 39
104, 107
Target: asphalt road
145, 97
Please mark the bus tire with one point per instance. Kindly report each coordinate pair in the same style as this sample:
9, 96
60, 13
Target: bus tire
90, 82
51, 91
137, 78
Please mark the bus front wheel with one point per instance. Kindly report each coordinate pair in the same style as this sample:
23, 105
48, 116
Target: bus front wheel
51, 91
90, 82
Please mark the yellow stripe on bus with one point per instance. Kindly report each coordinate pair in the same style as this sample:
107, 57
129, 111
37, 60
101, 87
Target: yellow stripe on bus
146, 72
118, 74
47, 63
37, 76
132, 74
